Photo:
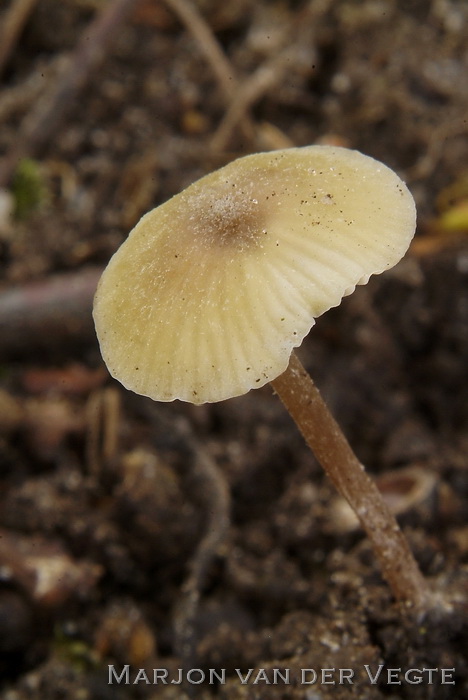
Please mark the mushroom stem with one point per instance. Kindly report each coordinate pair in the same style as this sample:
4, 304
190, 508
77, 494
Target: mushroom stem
322, 433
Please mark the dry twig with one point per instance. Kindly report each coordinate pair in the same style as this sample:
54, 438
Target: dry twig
212, 486
214, 54
48, 314
269, 74
16, 18
102, 418
208, 44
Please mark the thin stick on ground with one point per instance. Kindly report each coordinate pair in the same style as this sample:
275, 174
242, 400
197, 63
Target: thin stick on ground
48, 317
269, 74
213, 489
214, 54
208, 44
324, 436
15, 19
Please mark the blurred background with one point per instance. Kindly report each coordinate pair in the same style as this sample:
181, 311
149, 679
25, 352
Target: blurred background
172, 536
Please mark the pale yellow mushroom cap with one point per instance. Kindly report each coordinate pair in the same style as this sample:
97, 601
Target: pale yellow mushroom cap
212, 290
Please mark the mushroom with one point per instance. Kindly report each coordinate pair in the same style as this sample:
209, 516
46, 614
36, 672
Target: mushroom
213, 290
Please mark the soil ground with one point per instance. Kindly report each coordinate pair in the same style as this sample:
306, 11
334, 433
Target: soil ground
108, 501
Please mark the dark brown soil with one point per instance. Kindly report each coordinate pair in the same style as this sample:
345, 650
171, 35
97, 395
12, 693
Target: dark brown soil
109, 501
